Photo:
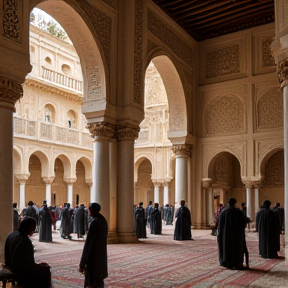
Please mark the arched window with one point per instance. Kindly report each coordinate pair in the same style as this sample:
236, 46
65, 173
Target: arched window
71, 119
49, 113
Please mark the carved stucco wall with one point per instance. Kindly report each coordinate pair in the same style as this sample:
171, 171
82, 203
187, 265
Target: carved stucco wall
224, 115
270, 110
274, 170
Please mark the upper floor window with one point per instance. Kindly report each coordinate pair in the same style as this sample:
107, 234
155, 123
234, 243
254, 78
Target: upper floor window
49, 113
71, 119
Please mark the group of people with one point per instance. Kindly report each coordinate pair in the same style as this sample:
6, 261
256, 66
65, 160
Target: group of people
153, 216
231, 239
19, 253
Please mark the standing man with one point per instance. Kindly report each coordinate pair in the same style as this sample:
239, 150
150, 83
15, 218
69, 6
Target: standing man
16, 217
140, 221
94, 256
82, 221
156, 220
268, 227
148, 211
45, 224
183, 223
231, 236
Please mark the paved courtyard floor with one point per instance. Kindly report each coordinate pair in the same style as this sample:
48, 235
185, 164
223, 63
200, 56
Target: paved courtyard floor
159, 261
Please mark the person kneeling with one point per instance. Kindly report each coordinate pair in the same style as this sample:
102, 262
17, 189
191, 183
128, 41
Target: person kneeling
19, 257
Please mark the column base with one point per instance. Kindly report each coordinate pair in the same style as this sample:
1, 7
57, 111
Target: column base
127, 237
112, 237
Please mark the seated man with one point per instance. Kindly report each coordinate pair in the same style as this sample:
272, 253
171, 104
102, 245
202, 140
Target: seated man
19, 257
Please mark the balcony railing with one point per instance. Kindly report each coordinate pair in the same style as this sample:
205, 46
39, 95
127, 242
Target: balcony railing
61, 79
49, 132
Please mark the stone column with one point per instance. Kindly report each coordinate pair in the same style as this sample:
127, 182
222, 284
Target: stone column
250, 204
10, 92
89, 183
70, 182
207, 195
48, 181
156, 192
166, 192
182, 153
125, 184
101, 133
256, 196
22, 178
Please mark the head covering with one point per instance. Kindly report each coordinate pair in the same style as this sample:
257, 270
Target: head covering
94, 208
44, 202
150, 202
30, 203
156, 205
266, 204
14, 205
140, 203
232, 201
182, 202
27, 225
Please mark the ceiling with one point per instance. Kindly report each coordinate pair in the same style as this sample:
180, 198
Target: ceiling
205, 19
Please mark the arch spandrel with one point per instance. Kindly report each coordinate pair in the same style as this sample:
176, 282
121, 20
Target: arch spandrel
175, 94
93, 62
18, 161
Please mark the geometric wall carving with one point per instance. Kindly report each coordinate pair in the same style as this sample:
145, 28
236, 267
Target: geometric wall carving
274, 170
270, 110
267, 55
224, 115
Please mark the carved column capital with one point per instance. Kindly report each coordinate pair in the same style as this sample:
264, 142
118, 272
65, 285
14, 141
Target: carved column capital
182, 150
70, 180
247, 182
206, 182
48, 180
282, 73
89, 182
127, 133
101, 129
10, 92
22, 178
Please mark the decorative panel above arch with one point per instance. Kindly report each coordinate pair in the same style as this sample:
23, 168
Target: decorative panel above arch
224, 115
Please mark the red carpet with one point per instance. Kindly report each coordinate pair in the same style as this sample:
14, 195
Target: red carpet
161, 262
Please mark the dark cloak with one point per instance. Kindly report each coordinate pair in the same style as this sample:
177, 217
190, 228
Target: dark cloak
149, 209
168, 215
183, 224
156, 221
19, 257
65, 222
45, 225
94, 255
268, 227
81, 218
231, 237
140, 222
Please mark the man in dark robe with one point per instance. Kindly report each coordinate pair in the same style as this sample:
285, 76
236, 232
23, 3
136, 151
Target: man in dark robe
140, 221
268, 228
168, 214
156, 220
280, 212
148, 211
32, 212
231, 236
82, 223
19, 258
16, 217
65, 222
45, 224
94, 263
183, 223
74, 218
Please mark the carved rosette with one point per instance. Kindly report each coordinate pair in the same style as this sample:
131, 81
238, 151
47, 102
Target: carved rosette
127, 133
282, 73
101, 129
10, 91
182, 150
10, 20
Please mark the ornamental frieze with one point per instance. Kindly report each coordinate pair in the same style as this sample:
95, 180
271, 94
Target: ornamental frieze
101, 129
103, 26
224, 115
10, 20
10, 91
138, 51
223, 62
160, 30
182, 150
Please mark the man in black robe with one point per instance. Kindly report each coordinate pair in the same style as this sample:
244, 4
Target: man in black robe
16, 217
183, 223
156, 220
280, 212
231, 236
268, 228
82, 221
65, 222
32, 212
45, 224
94, 262
19, 258
168, 215
140, 222
148, 211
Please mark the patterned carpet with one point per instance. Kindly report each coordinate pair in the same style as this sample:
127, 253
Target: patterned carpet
157, 261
